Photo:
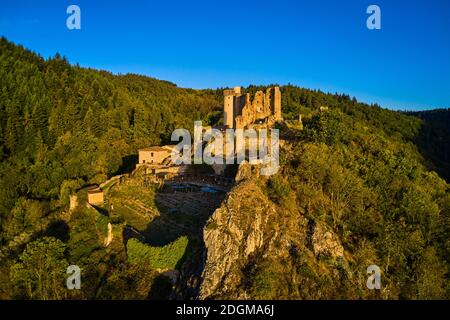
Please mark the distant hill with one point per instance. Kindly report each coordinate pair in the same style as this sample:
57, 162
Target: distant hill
434, 139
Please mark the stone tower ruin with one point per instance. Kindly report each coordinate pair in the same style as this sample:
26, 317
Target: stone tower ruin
240, 112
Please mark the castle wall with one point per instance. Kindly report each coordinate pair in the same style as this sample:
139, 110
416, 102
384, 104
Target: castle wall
228, 111
73, 201
277, 104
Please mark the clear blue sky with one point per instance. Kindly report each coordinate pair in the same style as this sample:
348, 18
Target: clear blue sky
207, 44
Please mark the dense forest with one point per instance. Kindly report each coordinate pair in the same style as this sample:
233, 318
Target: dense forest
367, 172
63, 127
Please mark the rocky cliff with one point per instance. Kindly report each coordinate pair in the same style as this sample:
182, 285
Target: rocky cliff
258, 248
247, 224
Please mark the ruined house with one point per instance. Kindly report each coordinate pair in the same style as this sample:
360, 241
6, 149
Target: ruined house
240, 112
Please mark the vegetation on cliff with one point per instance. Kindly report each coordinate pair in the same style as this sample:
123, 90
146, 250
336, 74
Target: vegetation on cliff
358, 195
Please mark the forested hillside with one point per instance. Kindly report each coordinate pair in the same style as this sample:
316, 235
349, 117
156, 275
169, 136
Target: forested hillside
358, 170
62, 126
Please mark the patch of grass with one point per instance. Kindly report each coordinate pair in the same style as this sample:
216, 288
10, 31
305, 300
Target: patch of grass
101, 223
131, 218
166, 257
212, 225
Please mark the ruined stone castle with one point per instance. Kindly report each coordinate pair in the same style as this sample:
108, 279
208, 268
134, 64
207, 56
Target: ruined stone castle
240, 112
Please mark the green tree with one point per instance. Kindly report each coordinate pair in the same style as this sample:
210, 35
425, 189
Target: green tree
431, 282
40, 272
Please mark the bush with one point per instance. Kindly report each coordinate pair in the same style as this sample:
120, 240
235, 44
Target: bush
269, 281
278, 188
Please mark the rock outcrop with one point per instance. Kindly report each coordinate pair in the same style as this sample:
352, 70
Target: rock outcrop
325, 242
234, 232
247, 222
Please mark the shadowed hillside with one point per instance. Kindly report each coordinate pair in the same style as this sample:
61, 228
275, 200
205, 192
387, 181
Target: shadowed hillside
434, 139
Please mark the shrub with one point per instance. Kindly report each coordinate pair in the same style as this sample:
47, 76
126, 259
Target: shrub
278, 188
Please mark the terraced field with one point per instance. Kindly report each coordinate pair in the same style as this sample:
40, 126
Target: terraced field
160, 215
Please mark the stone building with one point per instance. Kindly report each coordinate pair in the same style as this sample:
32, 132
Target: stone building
95, 195
240, 112
155, 155
157, 161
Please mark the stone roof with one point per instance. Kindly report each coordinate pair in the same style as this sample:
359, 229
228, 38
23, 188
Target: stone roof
170, 147
153, 148
94, 189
